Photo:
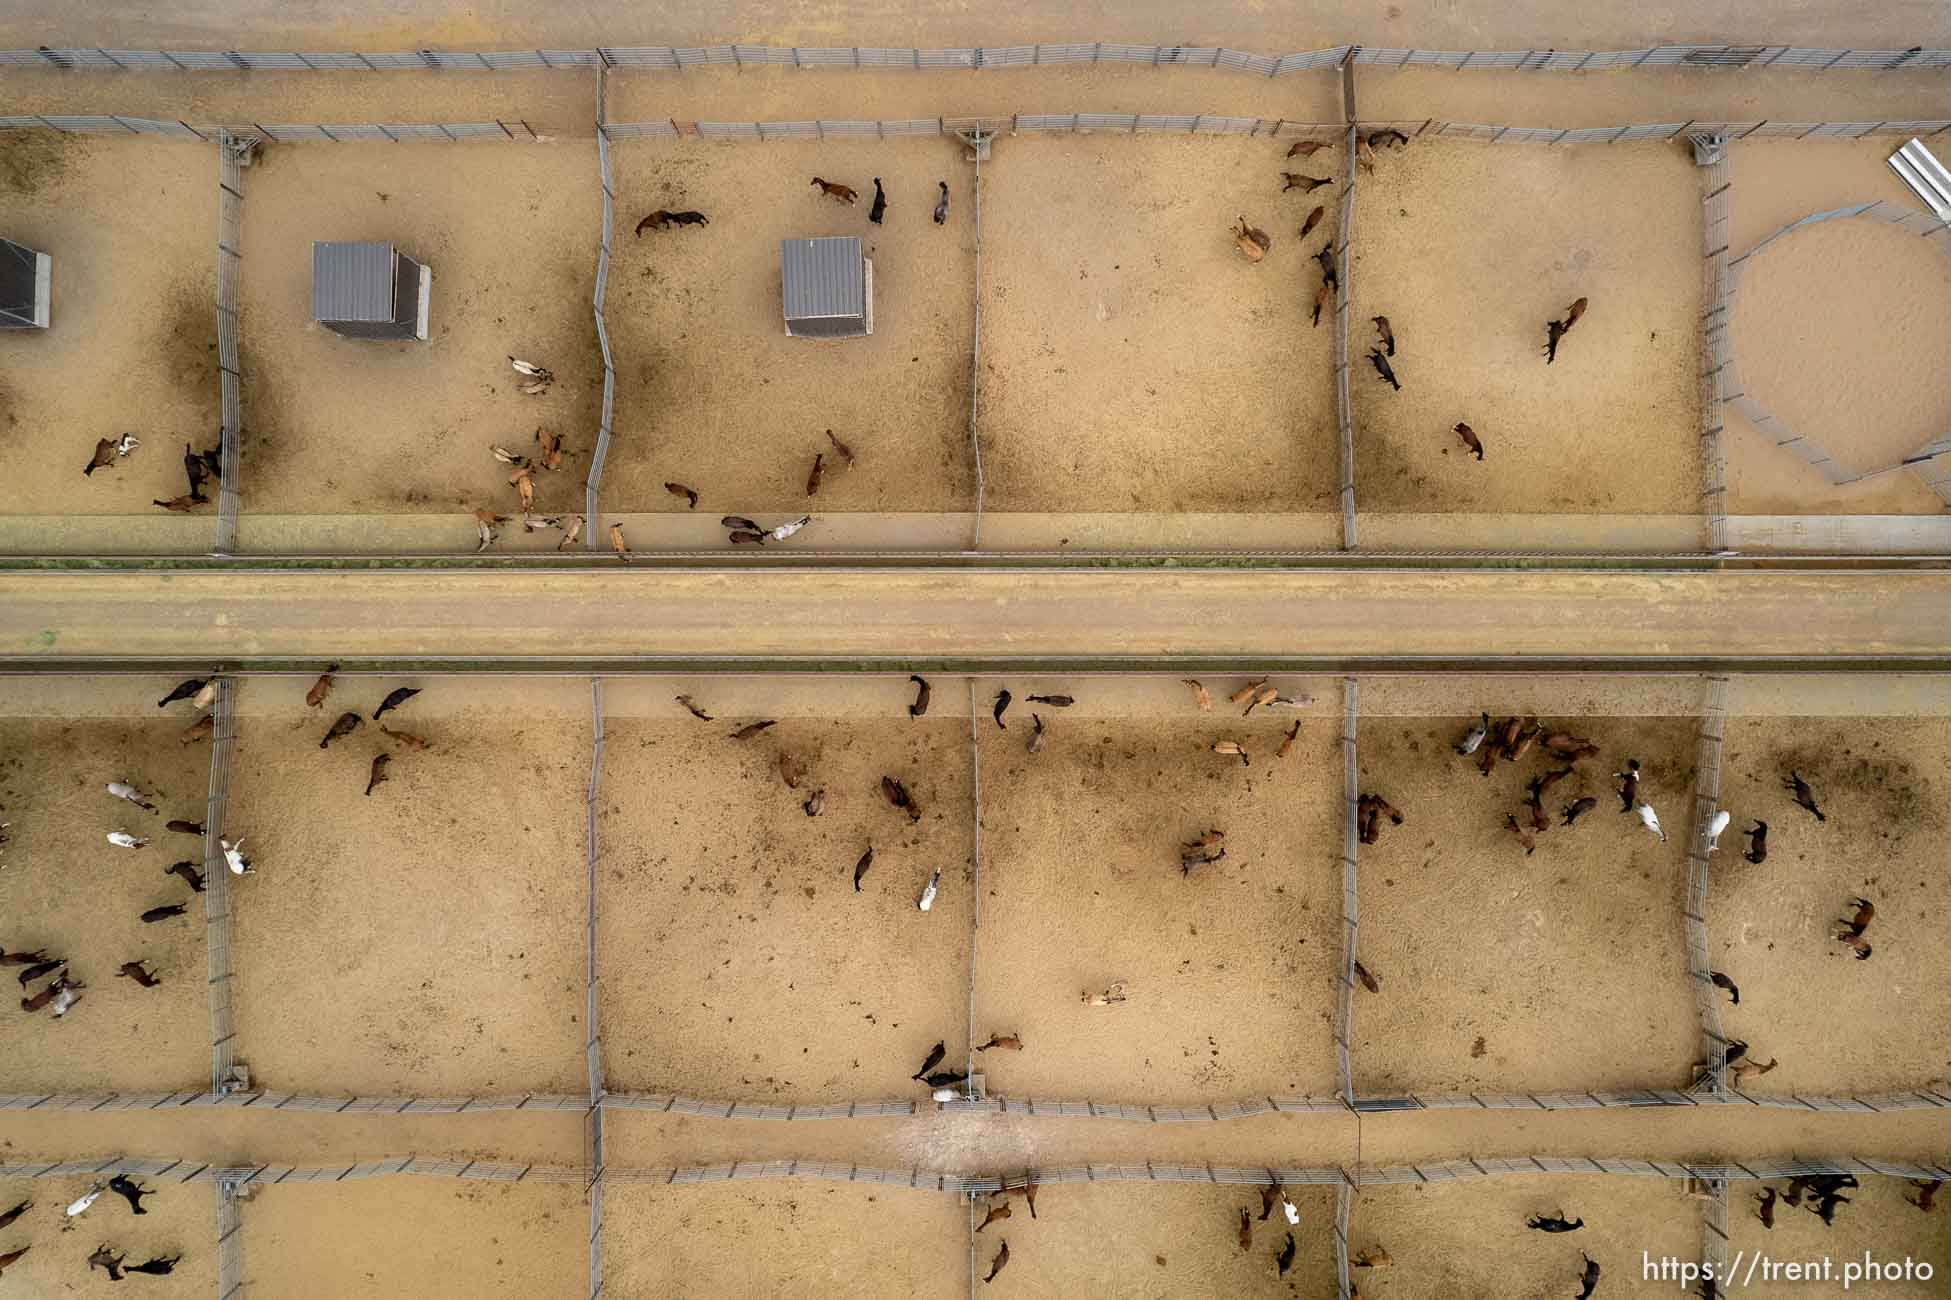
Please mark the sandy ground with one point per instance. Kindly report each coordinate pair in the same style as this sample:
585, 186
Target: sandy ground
804, 1239
417, 998
1878, 1220
1469, 1238
1804, 1002
64, 888
179, 1220
1164, 1239
1566, 981
1453, 616
1230, 969
1468, 250
711, 392
738, 961
1152, 368
412, 1236
509, 232
131, 227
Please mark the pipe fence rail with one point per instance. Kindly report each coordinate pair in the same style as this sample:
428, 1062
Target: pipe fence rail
1707, 802
1710, 152
216, 888
271, 1175
975, 58
1351, 929
232, 153
1935, 1097
593, 1052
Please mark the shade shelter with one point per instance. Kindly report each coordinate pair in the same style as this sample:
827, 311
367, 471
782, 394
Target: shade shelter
369, 291
827, 286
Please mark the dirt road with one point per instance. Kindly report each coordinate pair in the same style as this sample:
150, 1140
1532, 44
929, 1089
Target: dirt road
911, 614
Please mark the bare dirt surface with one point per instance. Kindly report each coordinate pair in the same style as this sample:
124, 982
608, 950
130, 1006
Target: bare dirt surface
423, 997
807, 1239
131, 228
176, 1221
65, 889
1881, 1219
1564, 970
1152, 367
335, 424
738, 960
1469, 1238
1469, 250
711, 392
1159, 1240
1230, 967
414, 1236
633, 611
1804, 1001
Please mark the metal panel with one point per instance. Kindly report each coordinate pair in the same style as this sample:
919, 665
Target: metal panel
353, 282
823, 280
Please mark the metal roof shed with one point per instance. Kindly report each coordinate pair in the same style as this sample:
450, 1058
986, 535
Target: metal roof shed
828, 288
26, 287
369, 291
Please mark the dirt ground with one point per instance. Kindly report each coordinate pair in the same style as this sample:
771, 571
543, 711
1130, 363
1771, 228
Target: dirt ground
737, 959
1161, 1239
354, 973
1469, 1238
1230, 969
179, 1220
1804, 1002
803, 1239
65, 889
131, 226
1877, 1221
1143, 364
711, 392
510, 233
1564, 970
431, 1237
1468, 250
1856, 348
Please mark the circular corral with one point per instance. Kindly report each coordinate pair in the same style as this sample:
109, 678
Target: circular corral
1840, 324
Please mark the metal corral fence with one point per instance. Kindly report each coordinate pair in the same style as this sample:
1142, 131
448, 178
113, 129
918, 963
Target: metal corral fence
216, 885
230, 1240
969, 58
1913, 221
1935, 1097
593, 485
593, 1053
1343, 304
232, 153
1710, 151
1351, 929
1707, 802
271, 1175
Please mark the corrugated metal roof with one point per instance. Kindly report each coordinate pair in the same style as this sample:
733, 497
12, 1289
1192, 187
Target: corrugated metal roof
17, 284
352, 282
822, 278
